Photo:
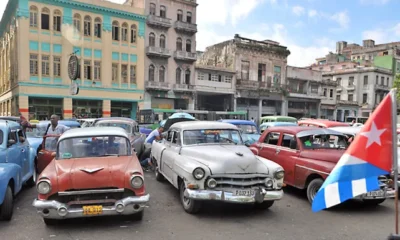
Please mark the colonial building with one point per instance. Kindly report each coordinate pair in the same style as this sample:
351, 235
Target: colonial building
260, 68
37, 39
170, 54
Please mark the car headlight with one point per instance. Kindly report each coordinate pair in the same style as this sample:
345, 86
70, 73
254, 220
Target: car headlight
199, 173
43, 187
211, 183
137, 181
268, 182
279, 174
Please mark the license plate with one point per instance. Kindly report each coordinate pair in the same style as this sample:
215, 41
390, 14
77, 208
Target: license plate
92, 210
379, 193
245, 193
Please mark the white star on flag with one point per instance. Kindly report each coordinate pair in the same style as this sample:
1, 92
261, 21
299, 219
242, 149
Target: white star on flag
374, 135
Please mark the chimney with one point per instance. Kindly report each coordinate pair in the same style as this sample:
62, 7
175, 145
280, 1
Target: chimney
368, 43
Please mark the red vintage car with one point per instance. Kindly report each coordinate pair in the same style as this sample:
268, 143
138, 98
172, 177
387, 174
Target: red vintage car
45, 156
321, 123
308, 155
94, 173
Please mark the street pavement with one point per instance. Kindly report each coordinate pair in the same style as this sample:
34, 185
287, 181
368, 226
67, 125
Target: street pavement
288, 219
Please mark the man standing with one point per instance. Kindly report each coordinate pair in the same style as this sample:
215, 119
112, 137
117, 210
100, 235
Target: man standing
154, 135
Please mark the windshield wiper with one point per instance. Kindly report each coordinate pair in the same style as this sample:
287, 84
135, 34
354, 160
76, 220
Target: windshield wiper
229, 140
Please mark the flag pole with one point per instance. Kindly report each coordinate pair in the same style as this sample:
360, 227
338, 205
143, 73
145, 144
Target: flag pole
395, 161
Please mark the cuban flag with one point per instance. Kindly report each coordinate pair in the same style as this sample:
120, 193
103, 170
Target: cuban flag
369, 155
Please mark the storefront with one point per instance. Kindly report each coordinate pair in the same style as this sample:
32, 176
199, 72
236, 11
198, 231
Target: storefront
328, 112
87, 108
123, 109
43, 108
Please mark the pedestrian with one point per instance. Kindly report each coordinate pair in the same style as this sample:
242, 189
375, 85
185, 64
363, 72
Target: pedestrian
252, 119
154, 135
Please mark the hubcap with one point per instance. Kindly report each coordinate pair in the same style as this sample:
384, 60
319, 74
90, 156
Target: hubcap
185, 200
314, 191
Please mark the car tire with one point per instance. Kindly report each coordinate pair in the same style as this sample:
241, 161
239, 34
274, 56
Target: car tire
373, 202
138, 216
189, 205
264, 205
6, 209
50, 222
32, 181
313, 188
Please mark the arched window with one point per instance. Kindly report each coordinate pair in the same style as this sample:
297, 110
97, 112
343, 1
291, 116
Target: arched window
179, 16
133, 33
33, 16
87, 30
57, 21
77, 22
187, 76
188, 46
152, 40
115, 31
162, 41
163, 12
151, 73
161, 74
97, 27
179, 44
178, 75
124, 32
45, 19
152, 9
189, 17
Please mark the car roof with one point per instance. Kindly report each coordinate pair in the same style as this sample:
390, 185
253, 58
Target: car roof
318, 131
94, 132
197, 125
67, 123
291, 129
114, 118
238, 121
347, 130
279, 124
323, 122
13, 125
121, 120
10, 118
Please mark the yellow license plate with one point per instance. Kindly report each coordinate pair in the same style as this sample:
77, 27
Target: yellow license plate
92, 210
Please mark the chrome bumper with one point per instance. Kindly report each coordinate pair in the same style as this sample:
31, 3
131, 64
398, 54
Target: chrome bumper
56, 210
229, 197
388, 193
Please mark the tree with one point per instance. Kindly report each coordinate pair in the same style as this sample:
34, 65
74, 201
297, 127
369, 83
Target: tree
396, 84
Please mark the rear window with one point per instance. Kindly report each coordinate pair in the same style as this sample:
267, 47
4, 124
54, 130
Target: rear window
1, 137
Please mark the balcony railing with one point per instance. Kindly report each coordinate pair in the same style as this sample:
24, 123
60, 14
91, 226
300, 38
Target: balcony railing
159, 21
186, 27
255, 85
158, 52
183, 87
158, 85
185, 56
382, 87
345, 102
339, 88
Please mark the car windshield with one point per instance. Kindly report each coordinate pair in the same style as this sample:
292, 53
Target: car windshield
39, 132
83, 147
248, 129
211, 136
324, 141
126, 126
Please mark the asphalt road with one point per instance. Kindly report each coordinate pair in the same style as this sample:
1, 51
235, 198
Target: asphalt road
288, 219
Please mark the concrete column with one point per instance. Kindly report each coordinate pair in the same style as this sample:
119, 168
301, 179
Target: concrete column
134, 111
23, 103
67, 108
259, 110
342, 116
284, 107
106, 108
234, 103
319, 110
335, 114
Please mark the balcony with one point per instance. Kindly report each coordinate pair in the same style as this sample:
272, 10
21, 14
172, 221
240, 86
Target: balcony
339, 88
190, 28
382, 88
161, 86
157, 21
344, 102
351, 87
248, 84
183, 88
158, 52
185, 56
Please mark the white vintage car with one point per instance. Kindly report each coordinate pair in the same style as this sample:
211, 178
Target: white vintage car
208, 161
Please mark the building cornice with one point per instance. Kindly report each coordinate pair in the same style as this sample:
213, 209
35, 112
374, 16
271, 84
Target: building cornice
213, 68
358, 70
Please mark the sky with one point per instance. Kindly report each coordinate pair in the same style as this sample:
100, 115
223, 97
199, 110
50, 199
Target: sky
309, 28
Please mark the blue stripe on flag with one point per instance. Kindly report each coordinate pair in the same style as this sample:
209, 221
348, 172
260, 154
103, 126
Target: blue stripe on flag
319, 201
372, 184
345, 191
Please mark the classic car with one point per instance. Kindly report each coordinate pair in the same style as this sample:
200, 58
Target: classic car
86, 122
92, 178
277, 119
322, 123
203, 161
266, 125
16, 165
249, 129
308, 155
130, 126
177, 117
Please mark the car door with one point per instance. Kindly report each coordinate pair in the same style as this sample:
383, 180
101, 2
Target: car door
166, 166
44, 157
173, 155
23, 145
15, 154
269, 146
286, 155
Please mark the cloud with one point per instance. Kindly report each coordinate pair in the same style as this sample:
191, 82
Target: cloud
383, 35
312, 13
298, 10
342, 18
374, 2
241, 8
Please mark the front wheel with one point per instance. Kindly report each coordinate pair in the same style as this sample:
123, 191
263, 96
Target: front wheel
6, 209
313, 188
191, 206
159, 176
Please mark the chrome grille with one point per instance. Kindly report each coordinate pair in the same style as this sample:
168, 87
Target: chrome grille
383, 181
239, 181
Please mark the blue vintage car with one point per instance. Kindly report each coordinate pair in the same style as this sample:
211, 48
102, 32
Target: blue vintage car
275, 124
249, 129
17, 166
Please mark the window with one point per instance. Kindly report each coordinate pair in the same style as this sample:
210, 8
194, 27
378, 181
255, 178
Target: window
33, 64
178, 75
161, 74
387, 81
377, 80
179, 16
350, 97
132, 75
152, 40
189, 17
314, 88
366, 80
339, 81
57, 66
124, 73
188, 45
289, 141
201, 76
133, 33
162, 41
187, 77
57, 21
213, 77
45, 65
179, 44
151, 73
331, 93
152, 9
77, 23
45, 17
33, 17
87, 26
277, 69
261, 72
382, 80
163, 12
338, 97
115, 72
97, 71
351, 81
228, 79
87, 69
97, 27
115, 31
124, 32
272, 138
325, 92
245, 70
365, 98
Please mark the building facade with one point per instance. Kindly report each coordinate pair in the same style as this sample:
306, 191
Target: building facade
38, 38
260, 68
170, 54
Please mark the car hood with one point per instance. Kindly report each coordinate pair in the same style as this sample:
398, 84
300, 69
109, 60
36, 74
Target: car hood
329, 155
35, 142
90, 173
226, 159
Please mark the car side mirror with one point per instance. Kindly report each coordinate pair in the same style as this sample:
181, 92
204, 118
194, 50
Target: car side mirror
293, 144
10, 142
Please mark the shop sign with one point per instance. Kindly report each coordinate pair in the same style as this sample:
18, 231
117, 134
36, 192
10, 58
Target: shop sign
73, 67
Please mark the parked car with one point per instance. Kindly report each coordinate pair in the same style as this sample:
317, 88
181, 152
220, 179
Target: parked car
266, 125
249, 130
130, 126
92, 178
322, 123
204, 162
16, 165
86, 122
308, 155
277, 119
177, 117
